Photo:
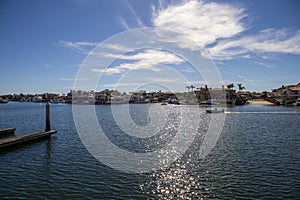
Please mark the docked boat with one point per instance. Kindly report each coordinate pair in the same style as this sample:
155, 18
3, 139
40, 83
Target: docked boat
215, 110
297, 103
174, 101
3, 100
37, 99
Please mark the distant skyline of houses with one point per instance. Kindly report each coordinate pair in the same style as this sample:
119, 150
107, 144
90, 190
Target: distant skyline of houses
228, 95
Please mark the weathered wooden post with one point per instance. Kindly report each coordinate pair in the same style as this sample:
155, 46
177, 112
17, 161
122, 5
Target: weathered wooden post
47, 117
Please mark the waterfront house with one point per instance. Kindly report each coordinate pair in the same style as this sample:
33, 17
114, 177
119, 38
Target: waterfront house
222, 95
286, 94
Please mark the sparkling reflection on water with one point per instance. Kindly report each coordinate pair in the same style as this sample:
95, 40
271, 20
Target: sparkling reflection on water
256, 157
182, 179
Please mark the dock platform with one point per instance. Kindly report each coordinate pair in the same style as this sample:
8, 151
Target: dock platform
13, 141
7, 131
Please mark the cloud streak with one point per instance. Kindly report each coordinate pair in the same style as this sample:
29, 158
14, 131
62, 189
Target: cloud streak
267, 41
146, 60
79, 47
138, 20
218, 28
124, 23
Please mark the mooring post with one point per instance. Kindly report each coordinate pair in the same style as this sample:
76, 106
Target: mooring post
47, 116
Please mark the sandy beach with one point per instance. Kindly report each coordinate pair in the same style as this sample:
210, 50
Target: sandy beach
260, 102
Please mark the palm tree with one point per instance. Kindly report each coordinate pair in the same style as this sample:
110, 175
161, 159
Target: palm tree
241, 87
230, 86
188, 87
192, 87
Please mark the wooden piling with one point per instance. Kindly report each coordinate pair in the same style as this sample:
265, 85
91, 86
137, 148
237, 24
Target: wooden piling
47, 117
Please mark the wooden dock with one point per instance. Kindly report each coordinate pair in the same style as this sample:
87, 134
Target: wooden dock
25, 138
17, 140
7, 131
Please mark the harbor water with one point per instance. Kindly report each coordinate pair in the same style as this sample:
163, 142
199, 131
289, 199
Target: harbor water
257, 156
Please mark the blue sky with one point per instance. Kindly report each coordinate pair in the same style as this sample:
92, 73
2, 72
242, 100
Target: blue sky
44, 43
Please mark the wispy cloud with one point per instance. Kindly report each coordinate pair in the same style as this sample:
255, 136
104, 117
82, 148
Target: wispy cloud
267, 41
141, 61
108, 71
118, 47
220, 29
79, 47
264, 64
136, 17
124, 23
155, 57
202, 23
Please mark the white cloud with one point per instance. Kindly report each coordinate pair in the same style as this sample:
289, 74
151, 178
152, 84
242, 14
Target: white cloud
264, 64
118, 47
155, 57
267, 41
108, 71
272, 43
201, 22
79, 47
149, 59
218, 28
140, 65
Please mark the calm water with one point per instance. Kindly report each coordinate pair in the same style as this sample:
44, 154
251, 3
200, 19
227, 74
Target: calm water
256, 157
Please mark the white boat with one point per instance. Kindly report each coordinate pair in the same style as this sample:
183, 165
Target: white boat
37, 99
174, 101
